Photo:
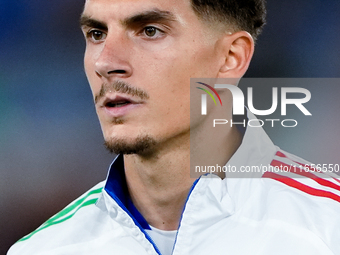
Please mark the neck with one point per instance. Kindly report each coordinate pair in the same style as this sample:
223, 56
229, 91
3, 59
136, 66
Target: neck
159, 184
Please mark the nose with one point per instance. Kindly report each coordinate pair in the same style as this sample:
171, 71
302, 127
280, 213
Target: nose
113, 60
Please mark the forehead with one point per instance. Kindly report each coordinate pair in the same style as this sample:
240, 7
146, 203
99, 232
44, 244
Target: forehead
120, 9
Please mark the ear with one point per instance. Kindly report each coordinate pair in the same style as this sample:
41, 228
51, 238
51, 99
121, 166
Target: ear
237, 51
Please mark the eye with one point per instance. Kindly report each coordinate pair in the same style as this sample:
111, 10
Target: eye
152, 32
96, 35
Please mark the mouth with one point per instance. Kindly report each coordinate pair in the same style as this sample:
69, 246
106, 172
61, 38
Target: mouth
118, 105
117, 101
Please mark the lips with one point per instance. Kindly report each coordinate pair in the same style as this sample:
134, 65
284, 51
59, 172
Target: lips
118, 105
113, 104
114, 101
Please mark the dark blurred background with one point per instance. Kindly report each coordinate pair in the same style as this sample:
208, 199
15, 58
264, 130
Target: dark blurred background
50, 140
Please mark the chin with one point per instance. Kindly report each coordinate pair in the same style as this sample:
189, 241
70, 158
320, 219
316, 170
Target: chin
142, 145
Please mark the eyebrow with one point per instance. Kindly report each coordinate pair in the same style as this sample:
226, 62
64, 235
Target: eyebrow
86, 21
151, 16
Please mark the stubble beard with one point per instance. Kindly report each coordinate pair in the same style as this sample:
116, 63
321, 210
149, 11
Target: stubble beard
142, 145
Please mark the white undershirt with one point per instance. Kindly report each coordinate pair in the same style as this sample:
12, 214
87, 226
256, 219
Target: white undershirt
163, 239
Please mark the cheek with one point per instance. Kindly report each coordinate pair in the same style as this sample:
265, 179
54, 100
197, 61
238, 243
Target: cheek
171, 82
196, 62
173, 107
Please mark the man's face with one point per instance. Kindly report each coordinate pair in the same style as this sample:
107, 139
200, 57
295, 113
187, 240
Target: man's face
140, 55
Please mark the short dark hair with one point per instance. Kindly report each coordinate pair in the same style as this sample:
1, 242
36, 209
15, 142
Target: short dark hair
247, 15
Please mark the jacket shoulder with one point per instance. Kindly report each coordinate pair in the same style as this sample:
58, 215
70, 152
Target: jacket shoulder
303, 197
58, 227
315, 181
